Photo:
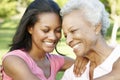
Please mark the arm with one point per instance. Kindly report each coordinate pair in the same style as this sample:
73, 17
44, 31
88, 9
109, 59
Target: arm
114, 74
16, 68
0, 72
68, 62
79, 64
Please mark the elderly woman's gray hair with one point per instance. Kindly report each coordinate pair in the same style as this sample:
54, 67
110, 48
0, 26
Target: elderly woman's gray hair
94, 11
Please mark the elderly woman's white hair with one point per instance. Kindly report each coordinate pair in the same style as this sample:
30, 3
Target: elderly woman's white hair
94, 12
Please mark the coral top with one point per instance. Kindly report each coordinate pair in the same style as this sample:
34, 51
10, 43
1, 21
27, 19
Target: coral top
56, 62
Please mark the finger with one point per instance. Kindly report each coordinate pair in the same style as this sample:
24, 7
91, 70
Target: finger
83, 66
92, 67
1, 72
77, 65
80, 66
0, 76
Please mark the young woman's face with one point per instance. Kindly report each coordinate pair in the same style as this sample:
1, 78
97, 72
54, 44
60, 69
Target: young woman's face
46, 32
80, 35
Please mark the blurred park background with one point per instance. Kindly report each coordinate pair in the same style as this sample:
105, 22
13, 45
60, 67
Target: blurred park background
12, 10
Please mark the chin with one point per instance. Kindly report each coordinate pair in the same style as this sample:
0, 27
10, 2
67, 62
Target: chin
49, 50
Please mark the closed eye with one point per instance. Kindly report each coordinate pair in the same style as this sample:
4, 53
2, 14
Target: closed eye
72, 31
58, 30
45, 30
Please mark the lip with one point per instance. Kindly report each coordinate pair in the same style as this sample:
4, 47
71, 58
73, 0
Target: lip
76, 48
73, 45
79, 49
50, 44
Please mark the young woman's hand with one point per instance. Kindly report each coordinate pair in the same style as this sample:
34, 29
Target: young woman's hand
0, 72
80, 65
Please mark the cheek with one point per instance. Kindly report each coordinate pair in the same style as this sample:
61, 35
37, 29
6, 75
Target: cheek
90, 42
38, 35
58, 35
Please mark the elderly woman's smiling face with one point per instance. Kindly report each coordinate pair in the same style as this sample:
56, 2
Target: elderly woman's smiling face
79, 33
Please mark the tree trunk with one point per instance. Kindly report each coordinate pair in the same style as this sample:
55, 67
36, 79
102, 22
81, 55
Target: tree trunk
113, 40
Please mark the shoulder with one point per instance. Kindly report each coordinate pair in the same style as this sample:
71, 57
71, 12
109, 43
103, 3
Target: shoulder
14, 60
16, 53
16, 68
116, 53
13, 64
54, 56
115, 73
116, 65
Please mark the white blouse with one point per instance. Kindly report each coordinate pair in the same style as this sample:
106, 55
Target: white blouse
102, 69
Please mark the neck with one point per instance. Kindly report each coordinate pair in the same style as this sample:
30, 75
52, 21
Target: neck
99, 52
37, 55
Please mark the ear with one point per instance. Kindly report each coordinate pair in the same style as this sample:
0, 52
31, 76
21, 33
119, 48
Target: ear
98, 28
30, 30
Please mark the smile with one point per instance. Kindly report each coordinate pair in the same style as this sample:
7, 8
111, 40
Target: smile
75, 46
50, 43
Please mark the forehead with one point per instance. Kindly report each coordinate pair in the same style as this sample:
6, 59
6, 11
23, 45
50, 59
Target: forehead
48, 16
72, 19
75, 20
49, 19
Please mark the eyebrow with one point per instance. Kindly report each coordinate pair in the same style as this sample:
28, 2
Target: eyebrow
70, 28
46, 26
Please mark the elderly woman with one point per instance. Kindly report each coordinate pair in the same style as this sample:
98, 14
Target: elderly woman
84, 25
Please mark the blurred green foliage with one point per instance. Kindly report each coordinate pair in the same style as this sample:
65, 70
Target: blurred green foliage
10, 7
7, 8
61, 2
112, 3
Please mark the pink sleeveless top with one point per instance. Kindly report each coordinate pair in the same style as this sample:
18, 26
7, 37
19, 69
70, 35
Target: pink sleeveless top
56, 62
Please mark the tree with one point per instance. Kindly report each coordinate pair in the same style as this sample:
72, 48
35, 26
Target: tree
115, 16
61, 2
7, 8
113, 7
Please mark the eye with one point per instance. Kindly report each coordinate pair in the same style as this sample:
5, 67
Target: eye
58, 30
45, 30
72, 31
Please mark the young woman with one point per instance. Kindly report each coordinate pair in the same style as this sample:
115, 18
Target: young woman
36, 37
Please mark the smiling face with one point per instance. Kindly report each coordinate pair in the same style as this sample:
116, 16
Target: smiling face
46, 32
79, 33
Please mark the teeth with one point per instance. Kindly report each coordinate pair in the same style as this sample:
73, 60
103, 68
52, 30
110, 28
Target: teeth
76, 46
49, 43
79, 49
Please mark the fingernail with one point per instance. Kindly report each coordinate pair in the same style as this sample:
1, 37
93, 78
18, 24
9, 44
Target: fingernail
79, 75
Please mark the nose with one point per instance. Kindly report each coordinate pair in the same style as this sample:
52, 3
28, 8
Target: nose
68, 39
52, 36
